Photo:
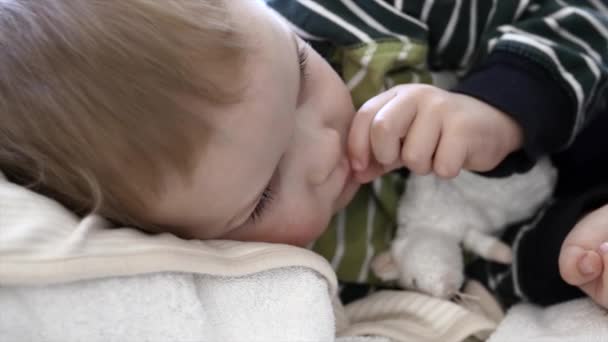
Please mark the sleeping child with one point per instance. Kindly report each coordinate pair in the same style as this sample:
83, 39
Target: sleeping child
147, 111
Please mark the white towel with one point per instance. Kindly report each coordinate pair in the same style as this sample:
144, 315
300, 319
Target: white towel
574, 321
290, 304
66, 279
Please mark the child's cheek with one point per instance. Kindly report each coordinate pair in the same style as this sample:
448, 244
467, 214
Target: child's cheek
298, 232
302, 233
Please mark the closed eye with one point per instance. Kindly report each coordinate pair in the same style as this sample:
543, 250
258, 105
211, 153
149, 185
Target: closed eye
262, 205
303, 53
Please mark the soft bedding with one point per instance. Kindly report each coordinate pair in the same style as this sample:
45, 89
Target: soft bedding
68, 279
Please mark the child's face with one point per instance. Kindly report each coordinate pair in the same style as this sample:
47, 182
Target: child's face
275, 168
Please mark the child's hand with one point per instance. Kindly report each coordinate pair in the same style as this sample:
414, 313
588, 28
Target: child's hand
427, 129
583, 259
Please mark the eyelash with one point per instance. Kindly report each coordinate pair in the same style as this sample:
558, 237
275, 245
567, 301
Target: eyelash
263, 204
303, 54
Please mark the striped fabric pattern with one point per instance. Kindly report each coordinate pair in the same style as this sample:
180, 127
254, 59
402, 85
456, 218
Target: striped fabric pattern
568, 38
362, 230
376, 44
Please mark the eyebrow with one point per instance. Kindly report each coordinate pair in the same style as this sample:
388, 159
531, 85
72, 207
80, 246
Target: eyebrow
243, 214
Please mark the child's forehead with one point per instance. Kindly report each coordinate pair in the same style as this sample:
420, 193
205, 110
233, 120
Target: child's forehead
258, 23
265, 35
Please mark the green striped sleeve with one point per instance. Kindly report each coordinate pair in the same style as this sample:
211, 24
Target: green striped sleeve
568, 39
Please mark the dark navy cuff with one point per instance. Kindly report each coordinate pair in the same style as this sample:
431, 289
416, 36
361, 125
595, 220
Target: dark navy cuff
532, 97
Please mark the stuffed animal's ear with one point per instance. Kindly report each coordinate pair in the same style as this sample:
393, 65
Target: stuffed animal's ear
384, 266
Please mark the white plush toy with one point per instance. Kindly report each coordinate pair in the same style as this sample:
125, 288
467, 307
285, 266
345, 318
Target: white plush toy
436, 217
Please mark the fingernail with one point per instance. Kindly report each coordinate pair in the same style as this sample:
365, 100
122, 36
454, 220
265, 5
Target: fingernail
357, 165
585, 265
604, 248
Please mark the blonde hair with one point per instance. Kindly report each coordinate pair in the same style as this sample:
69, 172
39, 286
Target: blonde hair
91, 95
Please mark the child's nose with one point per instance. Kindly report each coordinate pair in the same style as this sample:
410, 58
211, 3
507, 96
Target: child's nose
327, 154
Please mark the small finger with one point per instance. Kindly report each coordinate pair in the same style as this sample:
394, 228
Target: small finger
375, 170
450, 156
358, 144
579, 266
390, 125
421, 143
